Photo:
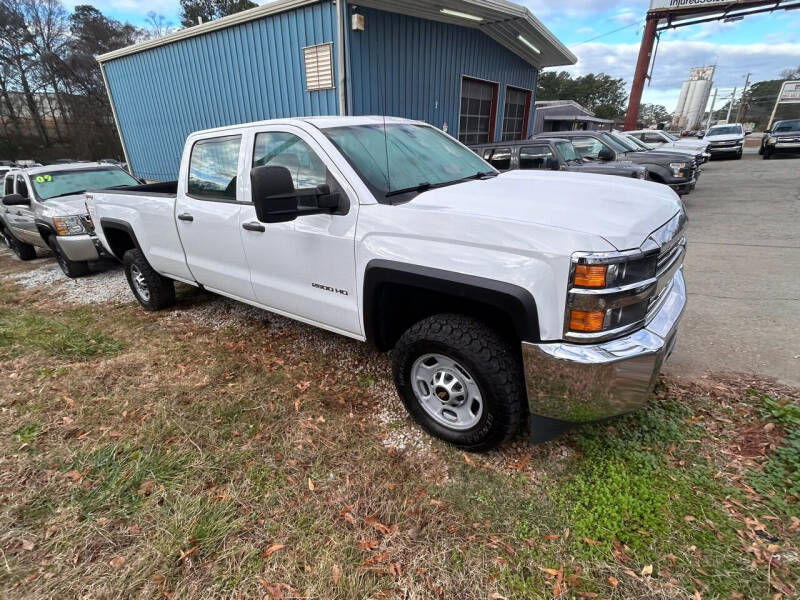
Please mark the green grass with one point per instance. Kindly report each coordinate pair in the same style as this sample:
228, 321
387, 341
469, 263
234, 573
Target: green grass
71, 334
27, 433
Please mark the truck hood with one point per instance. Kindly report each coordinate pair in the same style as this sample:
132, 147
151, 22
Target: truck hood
697, 146
621, 211
64, 206
662, 155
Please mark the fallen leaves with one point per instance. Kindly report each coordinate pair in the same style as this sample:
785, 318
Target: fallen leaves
117, 562
336, 574
647, 570
373, 522
272, 550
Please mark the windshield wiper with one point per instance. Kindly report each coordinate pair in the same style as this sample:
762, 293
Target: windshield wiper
75, 193
421, 187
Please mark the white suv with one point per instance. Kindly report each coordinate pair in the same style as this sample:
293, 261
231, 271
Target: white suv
726, 140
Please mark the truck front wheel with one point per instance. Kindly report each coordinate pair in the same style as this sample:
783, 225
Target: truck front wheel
70, 268
460, 381
152, 290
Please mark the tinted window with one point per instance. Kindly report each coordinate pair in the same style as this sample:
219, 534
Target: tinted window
501, 159
534, 157
653, 138
22, 188
787, 126
213, 166
279, 149
9, 186
724, 130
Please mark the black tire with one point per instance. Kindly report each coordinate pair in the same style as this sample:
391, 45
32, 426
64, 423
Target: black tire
739, 155
21, 249
70, 268
484, 358
153, 291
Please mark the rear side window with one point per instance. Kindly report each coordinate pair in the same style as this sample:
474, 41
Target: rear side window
9, 186
501, 159
213, 166
534, 157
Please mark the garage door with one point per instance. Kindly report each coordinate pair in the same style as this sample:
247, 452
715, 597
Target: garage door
478, 111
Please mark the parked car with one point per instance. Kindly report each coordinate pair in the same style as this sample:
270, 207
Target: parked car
636, 144
45, 207
658, 138
553, 153
673, 169
485, 285
783, 138
701, 133
726, 140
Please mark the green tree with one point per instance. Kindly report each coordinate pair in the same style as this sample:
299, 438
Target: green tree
600, 93
653, 114
208, 10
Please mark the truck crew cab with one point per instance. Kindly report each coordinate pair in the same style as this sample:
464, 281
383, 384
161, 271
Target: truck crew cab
553, 294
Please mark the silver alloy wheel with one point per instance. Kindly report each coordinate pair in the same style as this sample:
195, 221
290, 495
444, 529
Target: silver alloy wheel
447, 391
139, 283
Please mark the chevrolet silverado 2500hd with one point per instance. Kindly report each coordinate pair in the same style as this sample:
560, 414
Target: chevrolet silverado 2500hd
500, 295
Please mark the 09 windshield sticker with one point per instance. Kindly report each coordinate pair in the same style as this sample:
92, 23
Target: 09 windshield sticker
44, 178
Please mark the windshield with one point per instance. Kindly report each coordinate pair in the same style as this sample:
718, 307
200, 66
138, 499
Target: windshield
787, 126
567, 151
615, 143
407, 156
624, 142
724, 130
637, 142
670, 136
66, 183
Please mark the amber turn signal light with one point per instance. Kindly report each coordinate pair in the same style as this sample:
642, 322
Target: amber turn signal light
593, 276
589, 321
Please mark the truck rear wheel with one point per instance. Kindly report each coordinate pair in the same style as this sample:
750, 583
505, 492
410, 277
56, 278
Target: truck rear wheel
152, 290
460, 381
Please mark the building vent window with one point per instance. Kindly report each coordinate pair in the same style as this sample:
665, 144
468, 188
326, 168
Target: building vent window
319, 67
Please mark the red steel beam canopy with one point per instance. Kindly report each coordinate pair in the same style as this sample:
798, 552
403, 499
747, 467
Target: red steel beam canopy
670, 14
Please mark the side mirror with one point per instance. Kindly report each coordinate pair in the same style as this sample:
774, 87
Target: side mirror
553, 164
605, 155
748, 132
768, 131
276, 200
16, 200
273, 194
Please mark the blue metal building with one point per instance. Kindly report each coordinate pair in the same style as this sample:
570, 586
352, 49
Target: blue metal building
467, 66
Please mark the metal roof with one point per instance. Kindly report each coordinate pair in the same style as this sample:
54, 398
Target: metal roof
577, 118
503, 21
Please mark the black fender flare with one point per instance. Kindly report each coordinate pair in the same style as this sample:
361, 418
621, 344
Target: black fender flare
107, 223
514, 301
45, 229
663, 172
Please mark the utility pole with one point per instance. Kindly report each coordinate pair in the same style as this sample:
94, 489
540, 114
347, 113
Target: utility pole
711, 111
642, 66
730, 105
741, 102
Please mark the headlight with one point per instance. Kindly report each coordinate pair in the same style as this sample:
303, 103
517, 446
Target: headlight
72, 225
772, 140
678, 169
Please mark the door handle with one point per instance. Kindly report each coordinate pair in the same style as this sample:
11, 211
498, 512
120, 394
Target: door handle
254, 227
185, 217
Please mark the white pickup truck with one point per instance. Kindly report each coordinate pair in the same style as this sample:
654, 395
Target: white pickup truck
500, 295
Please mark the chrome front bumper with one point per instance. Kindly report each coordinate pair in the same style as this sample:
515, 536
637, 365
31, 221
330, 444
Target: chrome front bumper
78, 247
578, 383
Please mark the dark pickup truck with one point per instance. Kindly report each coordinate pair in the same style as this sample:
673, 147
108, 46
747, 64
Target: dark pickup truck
677, 170
554, 153
783, 138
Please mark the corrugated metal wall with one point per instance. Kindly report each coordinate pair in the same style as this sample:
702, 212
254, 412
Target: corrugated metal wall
409, 67
243, 73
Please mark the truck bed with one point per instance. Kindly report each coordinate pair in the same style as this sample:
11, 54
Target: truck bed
159, 188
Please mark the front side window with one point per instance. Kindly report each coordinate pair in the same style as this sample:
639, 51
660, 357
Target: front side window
280, 149
653, 138
588, 147
501, 159
534, 157
69, 183
567, 151
397, 156
22, 187
8, 188
213, 167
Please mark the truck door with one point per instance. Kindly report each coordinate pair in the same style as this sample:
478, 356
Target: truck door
20, 218
207, 211
303, 268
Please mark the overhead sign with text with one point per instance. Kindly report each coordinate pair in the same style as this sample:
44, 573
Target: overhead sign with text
790, 93
682, 4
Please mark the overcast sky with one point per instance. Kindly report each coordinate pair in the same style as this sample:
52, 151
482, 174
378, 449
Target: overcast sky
605, 37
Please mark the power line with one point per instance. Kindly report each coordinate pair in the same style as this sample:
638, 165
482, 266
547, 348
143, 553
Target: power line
602, 35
